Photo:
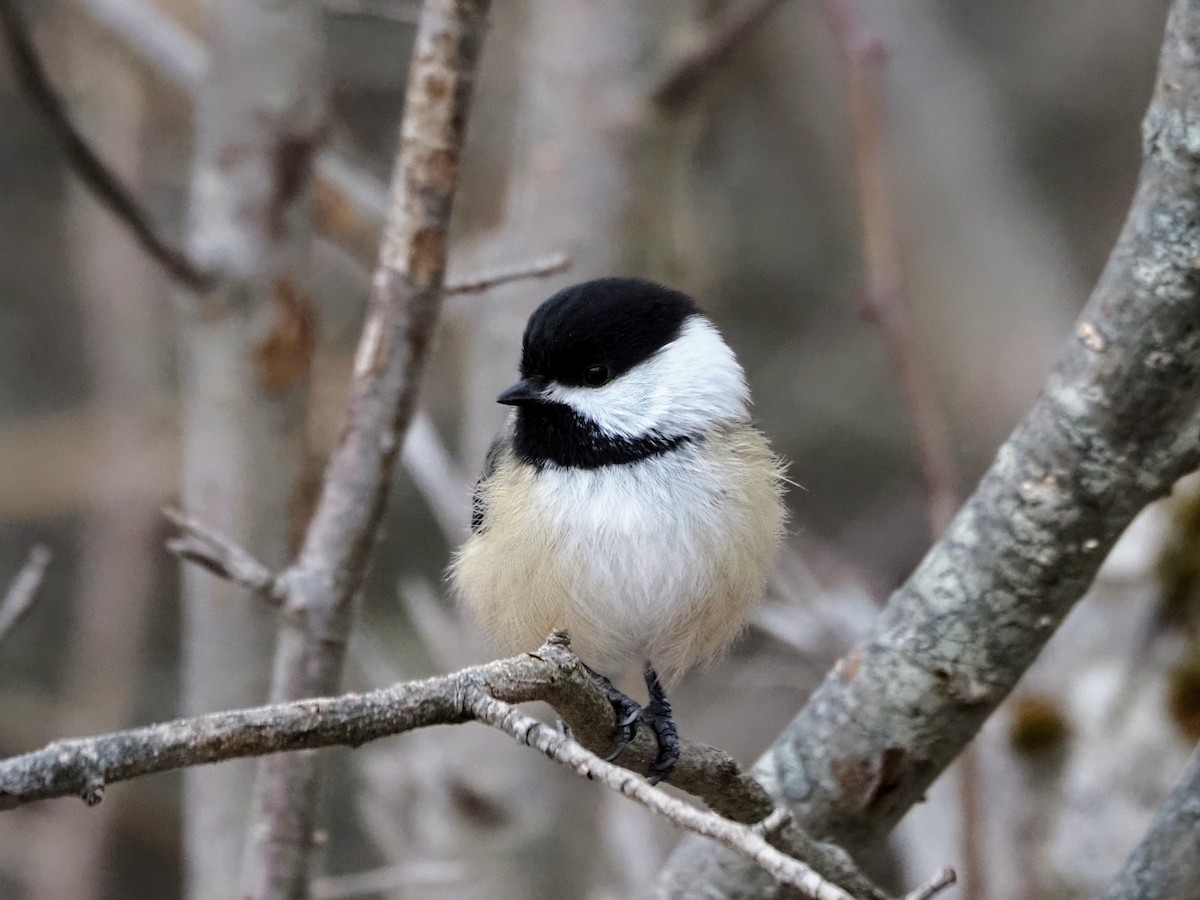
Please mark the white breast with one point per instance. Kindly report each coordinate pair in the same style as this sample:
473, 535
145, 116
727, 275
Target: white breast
659, 560
646, 543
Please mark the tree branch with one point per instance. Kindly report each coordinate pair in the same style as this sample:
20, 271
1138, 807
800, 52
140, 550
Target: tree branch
84, 766
19, 596
1166, 864
405, 302
1117, 424
84, 161
200, 545
679, 85
884, 299
543, 267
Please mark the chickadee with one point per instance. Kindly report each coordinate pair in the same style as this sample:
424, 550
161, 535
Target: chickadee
628, 500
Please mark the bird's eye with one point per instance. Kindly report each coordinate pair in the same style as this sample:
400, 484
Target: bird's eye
595, 376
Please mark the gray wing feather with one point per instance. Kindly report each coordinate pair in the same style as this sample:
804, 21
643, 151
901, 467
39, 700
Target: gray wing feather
500, 447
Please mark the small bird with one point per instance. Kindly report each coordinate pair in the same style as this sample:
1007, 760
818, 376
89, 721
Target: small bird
628, 500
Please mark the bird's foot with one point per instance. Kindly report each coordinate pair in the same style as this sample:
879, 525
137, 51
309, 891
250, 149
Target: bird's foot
656, 715
625, 708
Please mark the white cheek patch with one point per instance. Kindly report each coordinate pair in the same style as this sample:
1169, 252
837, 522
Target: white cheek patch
688, 386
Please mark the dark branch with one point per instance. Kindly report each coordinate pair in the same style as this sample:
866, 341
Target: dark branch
1117, 424
682, 83
1166, 865
84, 161
203, 547
884, 300
543, 267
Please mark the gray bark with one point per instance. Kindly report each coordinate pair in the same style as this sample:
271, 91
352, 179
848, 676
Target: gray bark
85, 766
246, 352
322, 586
1118, 422
1166, 865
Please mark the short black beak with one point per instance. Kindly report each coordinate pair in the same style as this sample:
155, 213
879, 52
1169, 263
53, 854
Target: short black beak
524, 391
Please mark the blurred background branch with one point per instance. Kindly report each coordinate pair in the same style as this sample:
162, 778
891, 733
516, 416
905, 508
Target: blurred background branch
23, 588
86, 163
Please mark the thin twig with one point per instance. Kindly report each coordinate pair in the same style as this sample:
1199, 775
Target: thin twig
884, 301
349, 202
689, 74
746, 840
199, 544
19, 596
443, 484
85, 766
84, 161
941, 880
542, 267
886, 305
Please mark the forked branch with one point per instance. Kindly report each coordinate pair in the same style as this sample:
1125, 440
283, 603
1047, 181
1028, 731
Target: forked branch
83, 767
85, 161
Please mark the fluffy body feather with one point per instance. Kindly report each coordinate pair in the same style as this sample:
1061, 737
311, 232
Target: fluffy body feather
660, 558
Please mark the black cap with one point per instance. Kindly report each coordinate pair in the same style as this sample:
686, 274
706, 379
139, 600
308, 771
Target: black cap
609, 323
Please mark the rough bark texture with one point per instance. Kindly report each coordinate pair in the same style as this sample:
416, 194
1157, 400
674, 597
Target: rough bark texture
1118, 422
405, 300
83, 767
1166, 865
246, 348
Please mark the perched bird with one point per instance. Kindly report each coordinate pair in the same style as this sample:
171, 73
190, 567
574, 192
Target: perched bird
629, 499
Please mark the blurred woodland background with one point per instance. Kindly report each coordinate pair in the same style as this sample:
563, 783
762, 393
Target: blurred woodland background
1010, 144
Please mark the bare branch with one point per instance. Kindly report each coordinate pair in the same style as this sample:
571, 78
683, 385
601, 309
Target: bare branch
405, 301
84, 766
885, 303
350, 203
445, 487
1117, 424
84, 161
1166, 864
934, 886
689, 74
543, 267
19, 596
199, 544
746, 840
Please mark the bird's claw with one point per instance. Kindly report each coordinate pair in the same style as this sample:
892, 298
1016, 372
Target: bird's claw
625, 708
628, 719
667, 736
655, 715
